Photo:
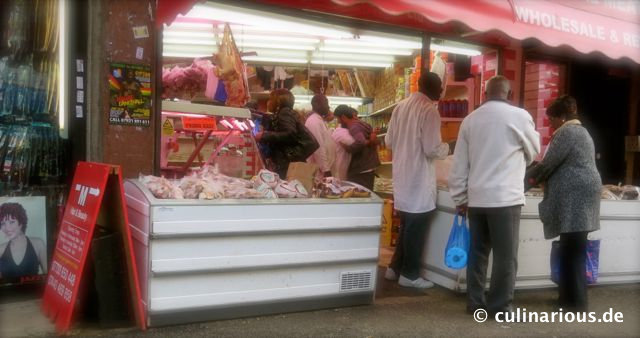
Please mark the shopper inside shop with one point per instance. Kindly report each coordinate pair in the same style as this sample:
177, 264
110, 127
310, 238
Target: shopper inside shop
22, 255
571, 205
495, 144
414, 138
343, 140
364, 156
324, 157
287, 139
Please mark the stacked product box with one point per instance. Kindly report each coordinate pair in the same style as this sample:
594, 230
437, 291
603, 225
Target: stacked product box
543, 84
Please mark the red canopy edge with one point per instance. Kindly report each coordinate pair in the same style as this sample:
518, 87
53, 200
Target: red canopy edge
614, 33
581, 25
168, 10
555, 23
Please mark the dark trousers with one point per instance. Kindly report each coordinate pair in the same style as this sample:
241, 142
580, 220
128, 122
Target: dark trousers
364, 179
408, 255
572, 287
494, 229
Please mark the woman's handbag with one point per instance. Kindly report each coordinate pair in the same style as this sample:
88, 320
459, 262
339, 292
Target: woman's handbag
456, 252
305, 145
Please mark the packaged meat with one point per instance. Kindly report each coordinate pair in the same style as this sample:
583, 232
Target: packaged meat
267, 177
266, 191
301, 191
285, 190
160, 187
201, 188
291, 189
608, 195
630, 192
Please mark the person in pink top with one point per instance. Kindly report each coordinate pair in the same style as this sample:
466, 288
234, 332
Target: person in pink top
343, 140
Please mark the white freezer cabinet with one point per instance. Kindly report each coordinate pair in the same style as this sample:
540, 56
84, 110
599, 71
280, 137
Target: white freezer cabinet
619, 237
202, 260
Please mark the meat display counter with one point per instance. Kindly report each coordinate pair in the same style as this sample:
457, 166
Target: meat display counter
619, 237
213, 259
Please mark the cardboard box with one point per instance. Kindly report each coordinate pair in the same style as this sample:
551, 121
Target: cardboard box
632, 143
387, 223
303, 172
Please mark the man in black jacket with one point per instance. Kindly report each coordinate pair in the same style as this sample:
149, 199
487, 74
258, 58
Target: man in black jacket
364, 160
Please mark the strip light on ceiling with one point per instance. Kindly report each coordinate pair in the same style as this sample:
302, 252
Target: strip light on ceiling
333, 100
375, 43
255, 30
455, 50
223, 13
199, 42
251, 44
184, 55
370, 50
279, 38
189, 34
354, 57
274, 59
351, 63
240, 36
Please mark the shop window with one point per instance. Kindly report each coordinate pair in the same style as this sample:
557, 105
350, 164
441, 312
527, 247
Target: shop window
33, 156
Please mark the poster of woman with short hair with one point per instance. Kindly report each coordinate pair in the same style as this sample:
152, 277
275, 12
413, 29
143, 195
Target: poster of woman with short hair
23, 233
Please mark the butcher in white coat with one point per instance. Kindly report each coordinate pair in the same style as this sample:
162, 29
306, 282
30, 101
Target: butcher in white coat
414, 138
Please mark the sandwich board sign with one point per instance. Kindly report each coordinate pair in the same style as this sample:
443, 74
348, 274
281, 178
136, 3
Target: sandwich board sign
96, 192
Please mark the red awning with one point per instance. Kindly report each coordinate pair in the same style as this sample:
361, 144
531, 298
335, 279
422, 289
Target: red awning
167, 10
610, 27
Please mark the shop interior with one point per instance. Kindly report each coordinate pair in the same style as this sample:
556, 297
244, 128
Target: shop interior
604, 91
368, 70
211, 165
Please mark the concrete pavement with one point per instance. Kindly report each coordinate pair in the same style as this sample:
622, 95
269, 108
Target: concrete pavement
397, 312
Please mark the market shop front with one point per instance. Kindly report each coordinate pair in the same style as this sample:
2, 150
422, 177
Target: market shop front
272, 255
367, 55
585, 49
159, 107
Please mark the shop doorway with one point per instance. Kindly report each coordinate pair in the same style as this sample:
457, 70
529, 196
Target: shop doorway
603, 102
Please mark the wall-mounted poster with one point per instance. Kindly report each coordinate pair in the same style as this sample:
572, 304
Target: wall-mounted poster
23, 236
130, 95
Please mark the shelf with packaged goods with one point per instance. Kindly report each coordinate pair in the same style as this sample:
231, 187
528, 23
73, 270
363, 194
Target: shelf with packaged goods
337, 100
385, 110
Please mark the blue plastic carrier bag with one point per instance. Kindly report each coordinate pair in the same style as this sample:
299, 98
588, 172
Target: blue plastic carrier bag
456, 252
592, 262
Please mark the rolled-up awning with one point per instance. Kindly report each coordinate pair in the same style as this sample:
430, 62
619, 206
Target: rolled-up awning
606, 26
